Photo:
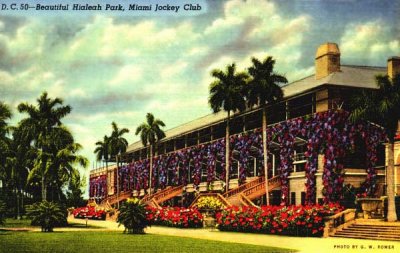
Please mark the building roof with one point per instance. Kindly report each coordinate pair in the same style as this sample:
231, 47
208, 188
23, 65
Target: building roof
349, 76
198, 123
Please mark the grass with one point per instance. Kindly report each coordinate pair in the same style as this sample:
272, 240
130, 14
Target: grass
26, 223
14, 223
117, 242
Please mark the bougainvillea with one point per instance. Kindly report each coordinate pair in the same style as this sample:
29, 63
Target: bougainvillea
97, 187
329, 133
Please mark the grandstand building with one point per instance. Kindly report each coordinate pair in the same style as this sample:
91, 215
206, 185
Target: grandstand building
314, 151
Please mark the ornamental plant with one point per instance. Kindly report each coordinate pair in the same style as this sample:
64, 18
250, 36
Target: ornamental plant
47, 215
2, 212
284, 220
208, 202
174, 217
89, 212
133, 216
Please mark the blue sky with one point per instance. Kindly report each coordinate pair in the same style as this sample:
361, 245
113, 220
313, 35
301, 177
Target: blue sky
118, 68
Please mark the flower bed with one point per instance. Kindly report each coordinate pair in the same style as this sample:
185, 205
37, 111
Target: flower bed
209, 203
285, 220
175, 217
90, 212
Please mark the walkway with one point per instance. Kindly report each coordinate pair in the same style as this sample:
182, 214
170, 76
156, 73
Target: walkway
302, 244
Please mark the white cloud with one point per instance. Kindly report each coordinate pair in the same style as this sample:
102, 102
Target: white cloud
369, 41
78, 92
127, 75
172, 70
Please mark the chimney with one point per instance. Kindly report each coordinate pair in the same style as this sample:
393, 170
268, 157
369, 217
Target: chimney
327, 60
393, 66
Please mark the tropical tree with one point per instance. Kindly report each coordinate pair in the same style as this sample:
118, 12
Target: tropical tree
264, 89
63, 166
47, 215
75, 193
5, 114
132, 215
117, 142
42, 121
227, 93
382, 106
150, 133
102, 150
19, 161
118, 145
3, 210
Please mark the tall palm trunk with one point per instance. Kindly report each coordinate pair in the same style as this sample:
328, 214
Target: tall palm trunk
264, 133
151, 167
227, 153
107, 179
391, 216
18, 204
116, 158
44, 188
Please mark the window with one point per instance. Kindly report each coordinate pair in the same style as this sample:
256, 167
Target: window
303, 198
356, 158
276, 113
293, 198
300, 106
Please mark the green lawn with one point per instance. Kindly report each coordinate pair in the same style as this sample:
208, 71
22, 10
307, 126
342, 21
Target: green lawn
87, 242
26, 223
14, 223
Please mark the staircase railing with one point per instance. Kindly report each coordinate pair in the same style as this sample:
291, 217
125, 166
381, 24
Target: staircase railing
245, 200
163, 196
338, 221
259, 189
116, 198
148, 197
243, 187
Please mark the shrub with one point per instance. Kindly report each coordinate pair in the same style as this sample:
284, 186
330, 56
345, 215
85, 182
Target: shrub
47, 215
89, 212
211, 203
133, 216
3, 211
286, 220
175, 217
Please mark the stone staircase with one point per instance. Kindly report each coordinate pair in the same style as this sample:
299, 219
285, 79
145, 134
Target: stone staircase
373, 230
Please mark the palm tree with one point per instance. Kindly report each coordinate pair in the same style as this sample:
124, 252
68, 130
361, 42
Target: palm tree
102, 152
5, 114
264, 89
40, 124
47, 215
150, 133
20, 158
3, 210
62, 169
133, 216
227, 93
382, 106
118, 145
